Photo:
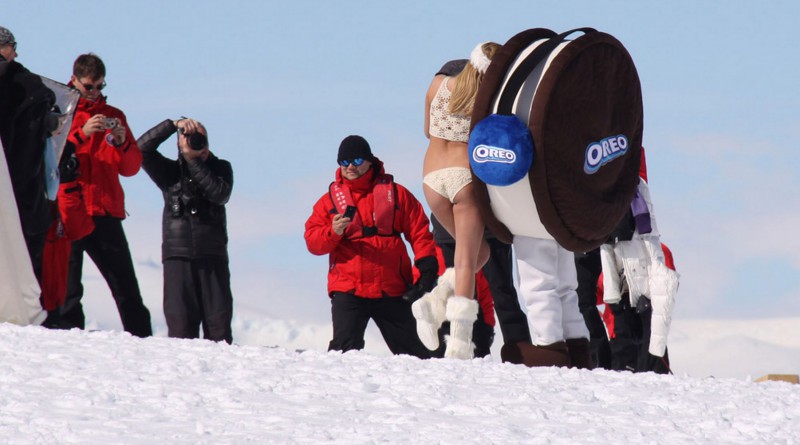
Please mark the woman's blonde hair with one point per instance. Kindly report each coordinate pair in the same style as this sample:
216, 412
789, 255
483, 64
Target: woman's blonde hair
467, 82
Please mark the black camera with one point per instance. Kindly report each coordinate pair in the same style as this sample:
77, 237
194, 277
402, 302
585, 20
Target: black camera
71, 164
197, 141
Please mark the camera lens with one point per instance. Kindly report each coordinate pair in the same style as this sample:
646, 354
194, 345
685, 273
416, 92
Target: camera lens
71, 164
197, 141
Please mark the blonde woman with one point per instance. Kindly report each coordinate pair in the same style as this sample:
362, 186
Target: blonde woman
447, 184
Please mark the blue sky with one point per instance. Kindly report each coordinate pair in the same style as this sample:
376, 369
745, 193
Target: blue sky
278, 85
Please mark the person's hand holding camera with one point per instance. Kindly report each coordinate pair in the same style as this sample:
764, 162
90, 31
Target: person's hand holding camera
117, 135
94, 124
192, 139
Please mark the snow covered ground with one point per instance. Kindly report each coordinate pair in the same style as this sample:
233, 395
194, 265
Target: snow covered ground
77, 387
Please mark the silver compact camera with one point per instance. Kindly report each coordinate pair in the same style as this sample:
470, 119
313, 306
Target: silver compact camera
111, 122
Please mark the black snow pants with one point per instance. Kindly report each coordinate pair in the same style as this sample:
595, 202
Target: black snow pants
198, 293
108, 247
392, 315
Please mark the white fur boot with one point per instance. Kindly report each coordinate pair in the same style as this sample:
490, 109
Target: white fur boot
429, 311
461, 313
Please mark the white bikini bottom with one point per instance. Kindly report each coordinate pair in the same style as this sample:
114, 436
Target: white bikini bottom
448, 181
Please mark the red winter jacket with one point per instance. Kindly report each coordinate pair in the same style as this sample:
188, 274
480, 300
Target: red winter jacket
372, 266
99, 177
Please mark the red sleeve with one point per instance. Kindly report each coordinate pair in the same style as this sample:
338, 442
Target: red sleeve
668, 257
643, 167
599, 294
130, 157
485, 298
415, 224
320, 238
76, 135
439, 258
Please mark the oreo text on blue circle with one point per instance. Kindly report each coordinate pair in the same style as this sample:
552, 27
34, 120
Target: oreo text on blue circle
485, 153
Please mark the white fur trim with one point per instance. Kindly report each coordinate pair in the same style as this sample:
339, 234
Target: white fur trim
478, 59
462, 309
448, 280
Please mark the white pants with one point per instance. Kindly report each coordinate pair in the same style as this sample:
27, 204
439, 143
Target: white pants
547, 281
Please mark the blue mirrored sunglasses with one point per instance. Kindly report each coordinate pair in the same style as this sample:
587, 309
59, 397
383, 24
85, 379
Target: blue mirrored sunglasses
346, 162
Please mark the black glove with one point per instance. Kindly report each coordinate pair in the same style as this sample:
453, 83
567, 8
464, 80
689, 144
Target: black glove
428, 274
68, 167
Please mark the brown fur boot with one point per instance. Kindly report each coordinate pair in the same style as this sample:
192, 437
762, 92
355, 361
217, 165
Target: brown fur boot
579, 354
555, 354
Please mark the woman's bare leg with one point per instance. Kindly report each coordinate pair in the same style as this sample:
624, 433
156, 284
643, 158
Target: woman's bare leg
472, 251
475, 251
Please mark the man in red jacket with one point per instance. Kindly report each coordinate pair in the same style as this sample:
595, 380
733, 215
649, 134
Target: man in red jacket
101, 136
358, 224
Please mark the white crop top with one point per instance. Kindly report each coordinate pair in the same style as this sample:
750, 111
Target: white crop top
444, 125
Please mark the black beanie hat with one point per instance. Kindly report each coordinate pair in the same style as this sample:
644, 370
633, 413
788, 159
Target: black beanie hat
354, 146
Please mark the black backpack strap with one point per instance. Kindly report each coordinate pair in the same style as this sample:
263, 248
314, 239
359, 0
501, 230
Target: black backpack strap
524, 69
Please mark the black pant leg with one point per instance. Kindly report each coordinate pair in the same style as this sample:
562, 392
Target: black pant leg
647, 361
627, 336
498, 272
350, 317
482, 336
109, 250
214, 281
394, 319
181, 305
589, 267
70, 314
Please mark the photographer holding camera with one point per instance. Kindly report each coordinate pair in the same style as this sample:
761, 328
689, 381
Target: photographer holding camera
360, 223
107, 150
196, 186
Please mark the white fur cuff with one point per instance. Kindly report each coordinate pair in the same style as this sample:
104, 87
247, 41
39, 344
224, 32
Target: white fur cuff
448, 280
462, 309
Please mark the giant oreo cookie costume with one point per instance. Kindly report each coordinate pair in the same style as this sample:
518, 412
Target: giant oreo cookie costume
581, 100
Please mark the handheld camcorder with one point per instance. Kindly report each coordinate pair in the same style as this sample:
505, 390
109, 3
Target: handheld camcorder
197, 141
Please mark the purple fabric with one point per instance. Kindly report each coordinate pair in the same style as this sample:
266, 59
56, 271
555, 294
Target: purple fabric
641, 214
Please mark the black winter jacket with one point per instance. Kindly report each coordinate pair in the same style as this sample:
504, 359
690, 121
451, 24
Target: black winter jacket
194, 222
25, 104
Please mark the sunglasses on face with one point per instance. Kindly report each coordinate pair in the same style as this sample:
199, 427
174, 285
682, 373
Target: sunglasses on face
13, 45
90, 87
346, 162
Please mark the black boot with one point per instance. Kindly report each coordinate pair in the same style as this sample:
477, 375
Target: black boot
510, 353
579, 354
